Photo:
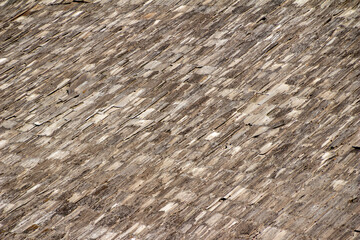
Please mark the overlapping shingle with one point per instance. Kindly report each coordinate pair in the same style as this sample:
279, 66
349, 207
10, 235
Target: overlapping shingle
179, 119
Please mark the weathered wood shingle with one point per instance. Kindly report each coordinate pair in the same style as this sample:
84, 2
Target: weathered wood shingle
179, 119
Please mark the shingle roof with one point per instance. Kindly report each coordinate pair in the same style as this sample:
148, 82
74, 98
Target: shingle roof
194, 119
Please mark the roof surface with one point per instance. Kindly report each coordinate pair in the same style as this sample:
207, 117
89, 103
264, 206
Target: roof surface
180, 119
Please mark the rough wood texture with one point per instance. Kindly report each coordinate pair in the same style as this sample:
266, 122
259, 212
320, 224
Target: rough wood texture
180, 119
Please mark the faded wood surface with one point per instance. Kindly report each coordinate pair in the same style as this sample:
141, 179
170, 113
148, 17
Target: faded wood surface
180, 119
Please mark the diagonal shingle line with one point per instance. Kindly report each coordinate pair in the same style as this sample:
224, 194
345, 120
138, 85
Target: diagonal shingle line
260, 78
